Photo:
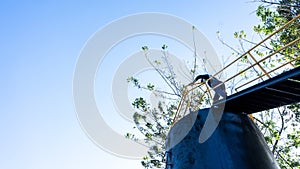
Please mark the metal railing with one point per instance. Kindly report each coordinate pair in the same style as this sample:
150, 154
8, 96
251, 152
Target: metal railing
266, 71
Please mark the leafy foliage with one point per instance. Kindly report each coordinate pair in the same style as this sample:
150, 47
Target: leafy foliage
280, 126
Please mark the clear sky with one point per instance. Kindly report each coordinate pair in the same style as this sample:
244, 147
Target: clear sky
39, 46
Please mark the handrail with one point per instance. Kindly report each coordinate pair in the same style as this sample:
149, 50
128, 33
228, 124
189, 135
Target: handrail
255, 46
193, 86
268, 72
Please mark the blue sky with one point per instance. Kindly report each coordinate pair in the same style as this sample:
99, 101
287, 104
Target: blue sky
40, 44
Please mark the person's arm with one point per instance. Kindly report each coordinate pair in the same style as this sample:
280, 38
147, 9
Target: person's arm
202, 77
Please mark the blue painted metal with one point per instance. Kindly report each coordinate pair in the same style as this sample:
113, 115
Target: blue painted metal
236, 144
280, 90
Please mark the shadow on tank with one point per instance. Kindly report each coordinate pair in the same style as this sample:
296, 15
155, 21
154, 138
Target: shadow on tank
236, 143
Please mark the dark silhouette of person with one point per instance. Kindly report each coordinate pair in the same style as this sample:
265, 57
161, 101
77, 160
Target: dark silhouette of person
215, 84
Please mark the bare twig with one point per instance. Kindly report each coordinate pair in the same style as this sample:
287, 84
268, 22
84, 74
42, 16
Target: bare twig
281, 129
162, 75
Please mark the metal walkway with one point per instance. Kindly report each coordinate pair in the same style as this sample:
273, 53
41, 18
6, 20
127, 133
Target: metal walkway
280, 90
267, 89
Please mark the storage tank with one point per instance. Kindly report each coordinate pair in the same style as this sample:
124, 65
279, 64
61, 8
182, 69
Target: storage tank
236, 143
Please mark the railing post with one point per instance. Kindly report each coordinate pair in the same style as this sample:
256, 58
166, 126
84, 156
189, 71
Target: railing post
252, 57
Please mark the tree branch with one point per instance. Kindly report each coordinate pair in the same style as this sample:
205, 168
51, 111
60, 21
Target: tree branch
280, 131
161, 74
277, 3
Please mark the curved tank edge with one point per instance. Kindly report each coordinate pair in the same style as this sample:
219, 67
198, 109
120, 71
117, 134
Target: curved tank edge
236, 143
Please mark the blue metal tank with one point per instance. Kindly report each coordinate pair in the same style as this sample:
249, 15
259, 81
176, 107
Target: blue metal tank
236, 143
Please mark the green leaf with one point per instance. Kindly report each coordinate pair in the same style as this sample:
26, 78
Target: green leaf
164, 47
145, 48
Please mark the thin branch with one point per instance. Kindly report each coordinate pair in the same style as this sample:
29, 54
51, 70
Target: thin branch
279, 154
170, 68
277, 3
280, 131
227, 45
253, 43
262, 123
195, 53
161, 74
159, 91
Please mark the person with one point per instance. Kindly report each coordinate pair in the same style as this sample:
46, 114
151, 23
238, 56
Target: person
215, 84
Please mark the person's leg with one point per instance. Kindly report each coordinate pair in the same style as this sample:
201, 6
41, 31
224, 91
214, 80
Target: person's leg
216, 97
220, 91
